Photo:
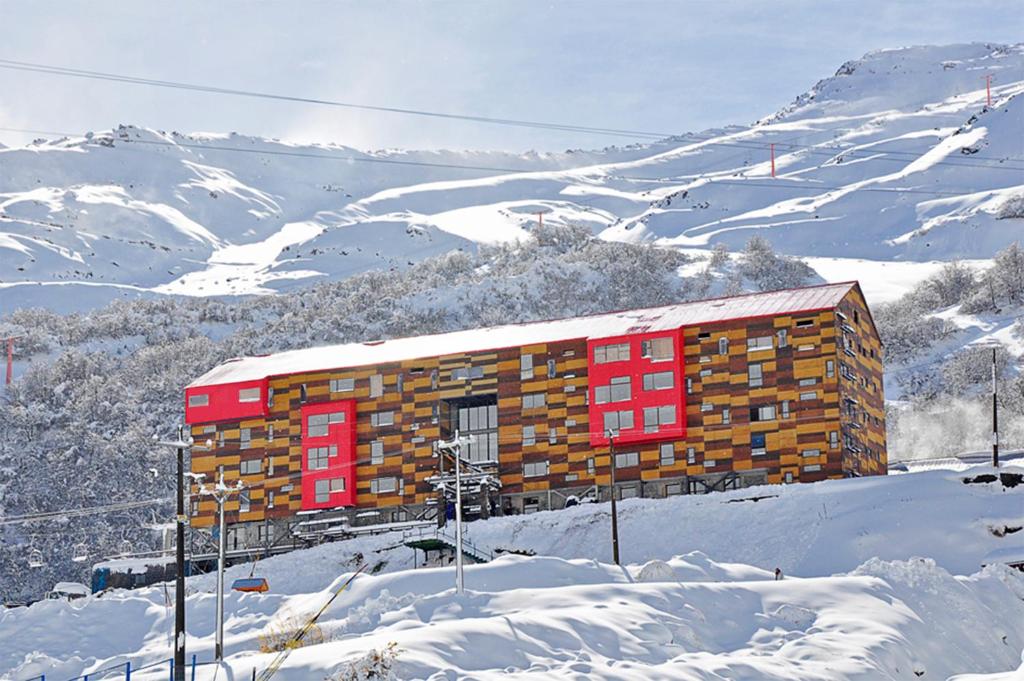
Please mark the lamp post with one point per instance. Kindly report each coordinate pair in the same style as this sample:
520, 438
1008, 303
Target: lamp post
995, 413
455, 447
220, 494
612, 434
179, 577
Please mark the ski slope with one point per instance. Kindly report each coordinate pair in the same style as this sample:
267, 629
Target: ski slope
894, 159
883, 580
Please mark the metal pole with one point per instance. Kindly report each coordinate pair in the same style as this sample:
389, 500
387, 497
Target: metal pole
459, 583
218, 651
10, 360
615, 513
995, 414
179, 580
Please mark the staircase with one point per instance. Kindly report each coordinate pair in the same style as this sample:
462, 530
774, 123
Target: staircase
439, 540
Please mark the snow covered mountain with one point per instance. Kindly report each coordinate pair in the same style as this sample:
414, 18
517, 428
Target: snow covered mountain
895, 158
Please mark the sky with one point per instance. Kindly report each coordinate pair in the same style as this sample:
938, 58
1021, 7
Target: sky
660, 66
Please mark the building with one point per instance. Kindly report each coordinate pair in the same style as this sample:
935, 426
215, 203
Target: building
775, 387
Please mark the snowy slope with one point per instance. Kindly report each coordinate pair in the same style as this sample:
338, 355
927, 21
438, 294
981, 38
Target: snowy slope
840, 613
136, 210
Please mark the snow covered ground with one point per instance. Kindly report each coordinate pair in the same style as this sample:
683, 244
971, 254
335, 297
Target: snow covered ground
894, 160
883, 580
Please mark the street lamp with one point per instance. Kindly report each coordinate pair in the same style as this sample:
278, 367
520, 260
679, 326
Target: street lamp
612, 434
455, 447
220, 494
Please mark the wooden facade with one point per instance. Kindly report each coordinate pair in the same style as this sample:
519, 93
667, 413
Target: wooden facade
785, 397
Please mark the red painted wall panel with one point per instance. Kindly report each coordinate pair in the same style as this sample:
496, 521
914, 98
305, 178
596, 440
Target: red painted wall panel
635, 368
223, 403
341, 465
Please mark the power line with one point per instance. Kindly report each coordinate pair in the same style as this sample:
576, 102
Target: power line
100, 75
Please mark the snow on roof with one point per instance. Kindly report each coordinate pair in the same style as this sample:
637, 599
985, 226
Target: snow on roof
669, 317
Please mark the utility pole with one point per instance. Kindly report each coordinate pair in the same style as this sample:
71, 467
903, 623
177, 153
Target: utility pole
772, 147
615, 514
995, 413
540, 219
179, 577
220, 494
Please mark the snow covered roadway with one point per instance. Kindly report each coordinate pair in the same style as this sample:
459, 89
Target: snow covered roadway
673, 613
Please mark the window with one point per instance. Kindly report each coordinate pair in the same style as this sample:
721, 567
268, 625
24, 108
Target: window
856, 317
785, 409
383, 485
376, 453
249, 395
705, 373
552, 435
433, 379
590, 466
628, 492
691, 455
244, 504
382, 418
755, 376
809, 381
709, 463
529, 435
673, 488
707, 406
319, 425
759, 343
704, 335
322, 491
833, 439
806, 347
657, 349
270, 466
668, 454
337, 484
766, 413
245, 438
572, 477
399, 383
535, 469
804, 323
618, 390
270, 432
250, 466
655, 417
726, 416
789, 477
663, 380
220, 439
812, 468
552, 368
533, 401
467, 373
270, 397
808, 396
627, 459
343, 385
316, 457
270, 499
723, 346
689, 386
618, 352
376, 385
526, 367
199, 400
480, 420
783, 336
303, 394
757, 444
617, 420
810, 452
830, 368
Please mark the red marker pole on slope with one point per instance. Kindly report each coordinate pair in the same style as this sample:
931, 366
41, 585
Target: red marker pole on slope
772, 147
988, 89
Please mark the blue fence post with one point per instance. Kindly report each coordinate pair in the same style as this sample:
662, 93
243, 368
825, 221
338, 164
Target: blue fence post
170, 676
193, 667
128, 671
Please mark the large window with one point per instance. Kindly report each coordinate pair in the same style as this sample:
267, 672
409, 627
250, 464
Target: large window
382, 418
755, 376
250, 466
384, 485
757, 444
376, 452
316, 457
529, 435
322, 491
617, 352
526, 367
249, 395
376, 385
759, 343
467, 373
476, 417
657, 349
201, 400
535, 469
618, 390
723, 346
318, 425
533, 400
655, 417
662, 380
668, 454
618, 420
627, 459
343, 385
244, 503
245, 438
766, 413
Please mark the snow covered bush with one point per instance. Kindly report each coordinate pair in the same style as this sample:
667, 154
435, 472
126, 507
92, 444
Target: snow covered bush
281, 635
770, 271
376, 665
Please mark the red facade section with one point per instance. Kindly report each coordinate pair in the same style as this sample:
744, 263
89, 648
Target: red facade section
226, 402
329, 454
655, 400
